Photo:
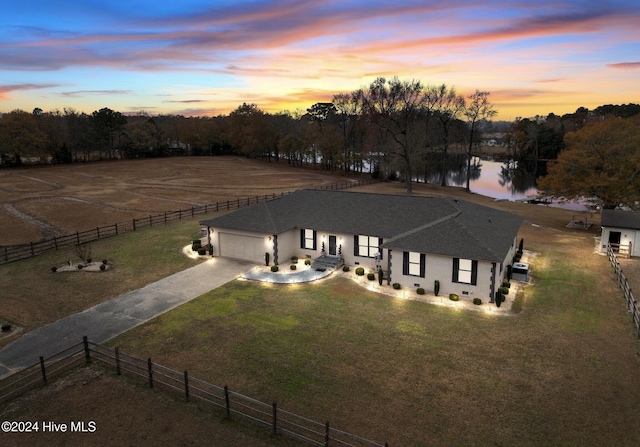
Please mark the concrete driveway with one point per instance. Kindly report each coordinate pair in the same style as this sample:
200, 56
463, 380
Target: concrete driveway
104, 321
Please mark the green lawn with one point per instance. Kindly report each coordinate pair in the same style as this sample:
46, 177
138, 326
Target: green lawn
563, 372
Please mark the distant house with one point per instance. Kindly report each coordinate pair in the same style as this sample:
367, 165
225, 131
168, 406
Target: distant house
466, 247
621, 229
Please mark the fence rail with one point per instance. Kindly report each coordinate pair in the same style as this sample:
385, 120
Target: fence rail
233, 404
632, 305
18, 252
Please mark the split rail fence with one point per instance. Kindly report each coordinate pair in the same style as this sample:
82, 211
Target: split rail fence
632, 305
18, 252
228, 402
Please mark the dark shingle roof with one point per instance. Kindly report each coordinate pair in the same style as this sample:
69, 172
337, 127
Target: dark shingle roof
425, 224
620, 219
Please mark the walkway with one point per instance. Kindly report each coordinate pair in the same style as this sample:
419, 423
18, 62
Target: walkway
109, 319
320, 268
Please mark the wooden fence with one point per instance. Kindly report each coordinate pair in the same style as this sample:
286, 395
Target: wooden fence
632, 305
228, 402
19, 252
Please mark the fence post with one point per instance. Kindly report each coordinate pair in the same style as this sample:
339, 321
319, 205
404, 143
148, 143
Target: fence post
326, 434
98, 232
42, 369
134, 224
186, 385
55, 242
228, 205
226, 400
31, 248
87, 355
150, 370
165, 217
274, 423
78, 238
150, 222
117, 353
192, 212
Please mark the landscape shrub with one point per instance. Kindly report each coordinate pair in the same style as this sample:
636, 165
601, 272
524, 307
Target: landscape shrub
102, 267
436, 287
196, 244
396, 285
294, 259
504, 290
477, 301
345, 268
202, 251
380, 276
104, 261
360, 271
293, 267
267, 258
54, 269
80, 266
307, 262
371, 276
89, 260
420, 291
453, 297
274, 268
499, 298
506, 284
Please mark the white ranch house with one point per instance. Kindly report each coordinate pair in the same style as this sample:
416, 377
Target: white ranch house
466, 247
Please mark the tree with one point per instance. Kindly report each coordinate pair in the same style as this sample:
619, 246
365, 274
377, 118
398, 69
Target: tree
601, 165
477, 110
108, 125
395, 106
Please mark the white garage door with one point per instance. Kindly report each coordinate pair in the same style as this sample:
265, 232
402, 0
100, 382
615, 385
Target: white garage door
240, 246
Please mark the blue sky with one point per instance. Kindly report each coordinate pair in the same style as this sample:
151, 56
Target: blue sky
206, 58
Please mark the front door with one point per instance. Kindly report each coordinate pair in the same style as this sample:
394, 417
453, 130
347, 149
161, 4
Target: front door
614, 240
332, 246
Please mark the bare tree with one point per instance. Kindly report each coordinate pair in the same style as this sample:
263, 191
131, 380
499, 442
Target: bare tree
395, 106
476, 111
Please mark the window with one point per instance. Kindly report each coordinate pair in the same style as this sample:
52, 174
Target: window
414, 264
367, 246
307, 239
465, 271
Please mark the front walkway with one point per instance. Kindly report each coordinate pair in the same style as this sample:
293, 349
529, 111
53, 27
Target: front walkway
111, 318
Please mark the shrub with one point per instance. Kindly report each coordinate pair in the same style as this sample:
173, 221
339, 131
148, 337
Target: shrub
436, 287
293, 267
360, 271
453, 297
54, 269
499, 298
504, 290
506, 284
307, 262
380, 276
371, 276
103, 266
396, 285
477, 301
420, 291
274, 268
294, 259
267, 258
196, 244
202, 251
104, 261
345, 268
80, 266
89, 260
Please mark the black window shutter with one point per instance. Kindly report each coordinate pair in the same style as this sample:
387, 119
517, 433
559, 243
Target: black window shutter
405, 263
302, 238
315, 237
423, 263
456, 267
474, 272
356, 252
380, 250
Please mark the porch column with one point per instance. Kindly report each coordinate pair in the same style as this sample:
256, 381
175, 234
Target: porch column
493, 283
275, 249
388, 267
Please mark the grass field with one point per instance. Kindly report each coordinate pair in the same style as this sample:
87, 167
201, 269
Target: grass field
563, 372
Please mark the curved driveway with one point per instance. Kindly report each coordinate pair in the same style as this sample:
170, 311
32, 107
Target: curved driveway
104, 321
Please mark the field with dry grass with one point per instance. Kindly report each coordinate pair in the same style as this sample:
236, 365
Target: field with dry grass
45, 201
563, 372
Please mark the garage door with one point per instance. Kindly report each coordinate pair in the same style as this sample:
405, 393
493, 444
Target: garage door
240, 246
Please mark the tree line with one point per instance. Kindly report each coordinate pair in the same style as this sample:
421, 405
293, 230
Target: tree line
390, 127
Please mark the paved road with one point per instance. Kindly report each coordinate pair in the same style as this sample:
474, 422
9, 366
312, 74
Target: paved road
104, 321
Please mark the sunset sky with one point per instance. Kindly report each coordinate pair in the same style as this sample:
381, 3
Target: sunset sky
205, 57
